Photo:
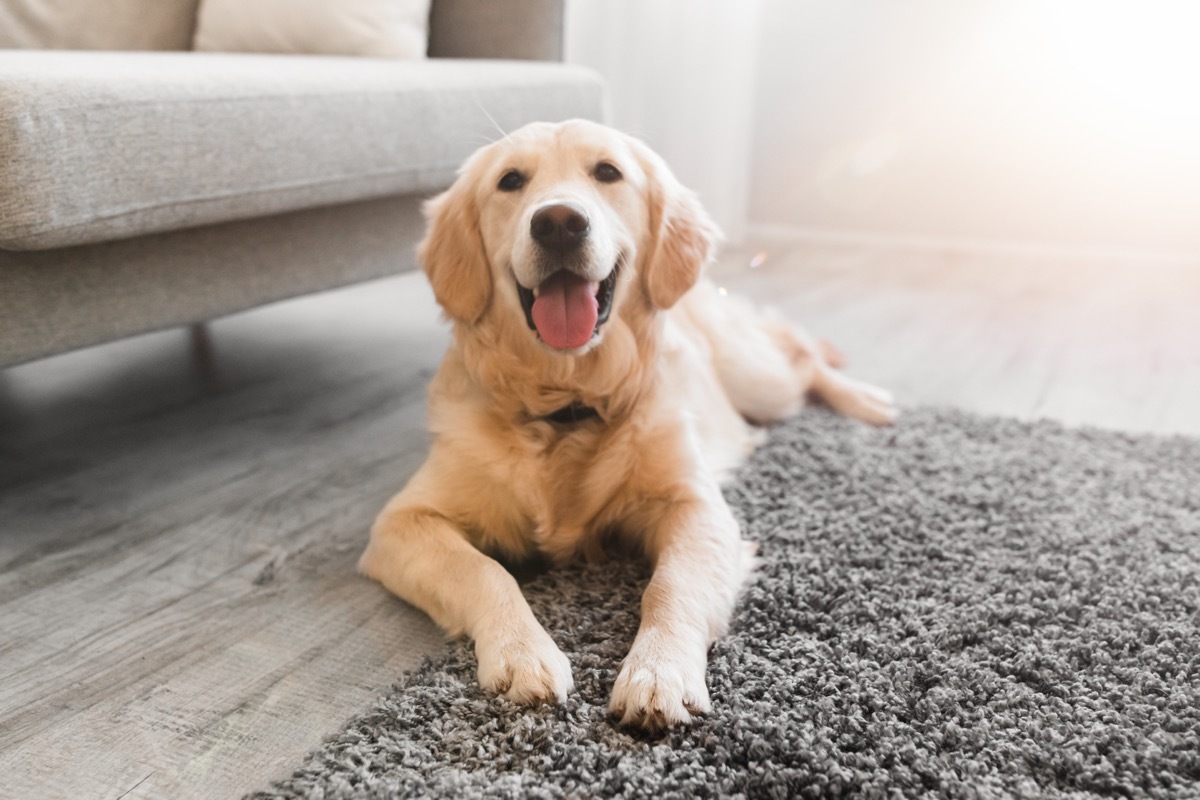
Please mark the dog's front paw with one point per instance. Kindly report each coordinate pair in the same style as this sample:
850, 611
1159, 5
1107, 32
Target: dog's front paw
525, 667
659, 685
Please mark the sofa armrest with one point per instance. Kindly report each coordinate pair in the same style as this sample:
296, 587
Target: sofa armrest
522, 29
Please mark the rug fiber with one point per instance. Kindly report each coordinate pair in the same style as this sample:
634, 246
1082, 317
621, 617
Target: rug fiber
955, 607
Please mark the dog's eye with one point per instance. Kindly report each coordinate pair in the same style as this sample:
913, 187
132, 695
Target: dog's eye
511, 181
607, 173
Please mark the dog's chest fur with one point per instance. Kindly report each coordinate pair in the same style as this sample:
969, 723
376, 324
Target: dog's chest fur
564, 489
573, 485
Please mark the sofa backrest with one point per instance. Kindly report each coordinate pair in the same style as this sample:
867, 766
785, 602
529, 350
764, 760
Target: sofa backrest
457, 28
98, 24
529, 29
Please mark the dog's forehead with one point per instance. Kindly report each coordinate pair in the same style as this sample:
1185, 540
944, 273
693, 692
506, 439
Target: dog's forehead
576, 142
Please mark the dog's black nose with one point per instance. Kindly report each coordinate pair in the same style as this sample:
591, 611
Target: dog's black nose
560, 226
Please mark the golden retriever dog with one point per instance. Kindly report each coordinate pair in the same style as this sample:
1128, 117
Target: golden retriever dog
596, 391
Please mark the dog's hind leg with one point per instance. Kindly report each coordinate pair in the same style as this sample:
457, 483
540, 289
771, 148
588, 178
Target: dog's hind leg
764, 380
818, 361
854, 398
767, 364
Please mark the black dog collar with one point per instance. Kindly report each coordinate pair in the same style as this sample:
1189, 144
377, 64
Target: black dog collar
572, 414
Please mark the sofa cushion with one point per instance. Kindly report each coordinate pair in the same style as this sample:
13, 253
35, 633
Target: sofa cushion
100, 146
90, 25
56, 300
383, 28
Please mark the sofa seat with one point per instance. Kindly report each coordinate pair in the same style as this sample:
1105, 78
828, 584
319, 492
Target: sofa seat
102, 146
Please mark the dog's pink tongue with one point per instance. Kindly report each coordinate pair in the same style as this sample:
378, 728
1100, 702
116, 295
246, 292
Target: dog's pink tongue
565, 311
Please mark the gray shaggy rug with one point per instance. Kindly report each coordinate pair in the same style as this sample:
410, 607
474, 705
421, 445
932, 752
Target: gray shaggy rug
955, 607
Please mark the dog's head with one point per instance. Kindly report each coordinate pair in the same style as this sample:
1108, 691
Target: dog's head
562, 228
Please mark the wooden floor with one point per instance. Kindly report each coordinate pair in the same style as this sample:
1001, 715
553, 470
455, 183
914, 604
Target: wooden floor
179, 611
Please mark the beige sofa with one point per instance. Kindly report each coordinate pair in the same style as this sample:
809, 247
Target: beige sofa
145, 189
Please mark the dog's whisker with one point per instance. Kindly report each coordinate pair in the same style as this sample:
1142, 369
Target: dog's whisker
492, 120
475, 141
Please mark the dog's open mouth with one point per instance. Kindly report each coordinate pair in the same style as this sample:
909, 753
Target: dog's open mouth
567, 310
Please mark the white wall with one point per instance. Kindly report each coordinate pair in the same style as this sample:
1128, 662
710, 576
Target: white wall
682, 77
1055, 122
1070, 123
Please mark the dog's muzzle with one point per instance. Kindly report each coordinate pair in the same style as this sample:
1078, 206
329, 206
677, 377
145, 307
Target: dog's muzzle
567, 307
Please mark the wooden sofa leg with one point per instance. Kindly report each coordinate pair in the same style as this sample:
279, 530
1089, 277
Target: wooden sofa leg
204, 359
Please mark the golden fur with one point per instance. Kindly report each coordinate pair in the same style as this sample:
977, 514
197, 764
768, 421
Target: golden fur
677, 375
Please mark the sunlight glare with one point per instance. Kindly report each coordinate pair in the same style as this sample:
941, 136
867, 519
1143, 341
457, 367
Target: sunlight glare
1136, 63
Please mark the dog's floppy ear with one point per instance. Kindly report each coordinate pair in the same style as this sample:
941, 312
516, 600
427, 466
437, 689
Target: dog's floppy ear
684, 238
453, 254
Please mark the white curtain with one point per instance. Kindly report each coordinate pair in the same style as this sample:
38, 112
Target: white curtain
682, 77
